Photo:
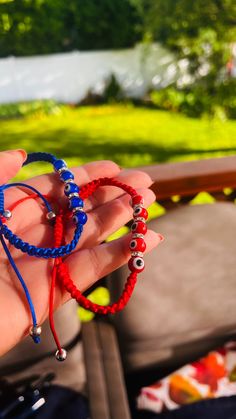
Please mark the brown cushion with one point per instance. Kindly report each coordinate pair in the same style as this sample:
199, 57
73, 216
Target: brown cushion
185, 300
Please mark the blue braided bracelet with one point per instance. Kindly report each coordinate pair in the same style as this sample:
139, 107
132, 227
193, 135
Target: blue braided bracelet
75, 205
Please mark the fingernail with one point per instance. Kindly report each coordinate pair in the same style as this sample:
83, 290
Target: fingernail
21, 151
162, 238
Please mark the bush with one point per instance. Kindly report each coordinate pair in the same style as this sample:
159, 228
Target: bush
196, 100
18, 110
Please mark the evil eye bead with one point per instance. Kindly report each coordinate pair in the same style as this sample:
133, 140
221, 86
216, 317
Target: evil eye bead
80, 217
140, 212
59, 165
76, 202
67, 176
137, 200
139, 227
71, 188
137, 245
136, 264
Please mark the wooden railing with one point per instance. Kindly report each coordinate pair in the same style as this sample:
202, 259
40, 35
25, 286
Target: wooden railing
185, 180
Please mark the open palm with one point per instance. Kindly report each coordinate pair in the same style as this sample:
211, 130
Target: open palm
107, 211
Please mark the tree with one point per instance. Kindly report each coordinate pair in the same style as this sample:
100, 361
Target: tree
29, 27
200, 31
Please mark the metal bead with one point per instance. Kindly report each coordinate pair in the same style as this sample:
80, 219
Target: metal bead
61, 355
51, 215
137, 236
35, 331
7, 214
68, 181
74, 194
63, 169
140, 219
77, 209
137, 254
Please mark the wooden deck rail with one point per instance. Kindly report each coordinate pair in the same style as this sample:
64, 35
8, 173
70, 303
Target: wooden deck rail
187, 179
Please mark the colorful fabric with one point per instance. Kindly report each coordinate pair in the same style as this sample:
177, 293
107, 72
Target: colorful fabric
212, 376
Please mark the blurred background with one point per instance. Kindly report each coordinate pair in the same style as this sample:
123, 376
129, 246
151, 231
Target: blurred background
136, 81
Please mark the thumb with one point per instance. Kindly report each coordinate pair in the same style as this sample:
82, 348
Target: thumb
10, 163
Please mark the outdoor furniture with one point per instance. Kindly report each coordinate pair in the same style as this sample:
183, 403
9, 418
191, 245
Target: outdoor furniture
183, 304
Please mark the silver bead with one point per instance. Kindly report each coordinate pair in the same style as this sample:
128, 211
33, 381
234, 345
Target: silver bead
51, 215
35, 331
63, 169
61, 355
68, 181
7, 214
137, 236
137, 254
140, 219
77, 209
73, 194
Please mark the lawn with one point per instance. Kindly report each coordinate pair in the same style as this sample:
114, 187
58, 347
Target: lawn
128, 135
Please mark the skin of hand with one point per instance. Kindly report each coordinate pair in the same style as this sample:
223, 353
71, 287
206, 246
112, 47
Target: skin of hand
108, 210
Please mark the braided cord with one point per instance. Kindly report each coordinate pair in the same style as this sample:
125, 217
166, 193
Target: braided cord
1, 200
66, 281
43, 252
35, 157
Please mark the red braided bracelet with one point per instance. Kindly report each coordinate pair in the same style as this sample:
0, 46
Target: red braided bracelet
137, 247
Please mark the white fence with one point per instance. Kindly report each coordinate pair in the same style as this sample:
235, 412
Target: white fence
68, 77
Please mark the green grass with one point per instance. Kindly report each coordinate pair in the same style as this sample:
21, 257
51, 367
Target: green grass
128, 135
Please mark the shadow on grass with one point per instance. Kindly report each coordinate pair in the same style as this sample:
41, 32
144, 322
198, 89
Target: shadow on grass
87, 148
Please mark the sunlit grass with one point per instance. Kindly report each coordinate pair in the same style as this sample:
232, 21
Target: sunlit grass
130, 136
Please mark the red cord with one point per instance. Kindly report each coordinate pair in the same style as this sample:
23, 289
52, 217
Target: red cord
60, 270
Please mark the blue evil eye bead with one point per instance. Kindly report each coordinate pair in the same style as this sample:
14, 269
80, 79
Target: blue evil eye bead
67, 176
76, 202
71, 188
80, 217
59, 164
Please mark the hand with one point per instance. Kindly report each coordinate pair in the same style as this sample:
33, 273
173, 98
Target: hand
107, 210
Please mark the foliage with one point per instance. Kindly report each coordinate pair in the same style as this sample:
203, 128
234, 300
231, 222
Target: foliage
38, 107
29, 27
195, 101
201, 33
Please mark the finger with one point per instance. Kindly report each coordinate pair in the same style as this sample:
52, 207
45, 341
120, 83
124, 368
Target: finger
134, 178
103, 195
49, 184
89, 265
108, 218
10, 163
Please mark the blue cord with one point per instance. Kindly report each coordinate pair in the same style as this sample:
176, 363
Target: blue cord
27, 294
35, 157
4, 187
